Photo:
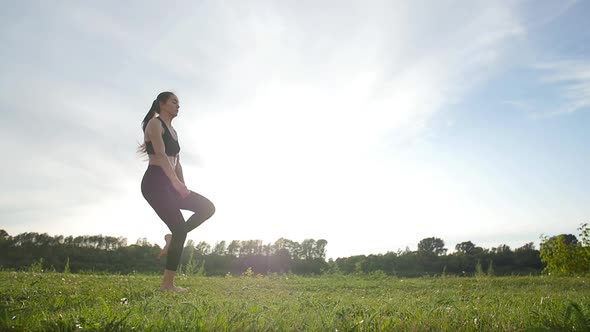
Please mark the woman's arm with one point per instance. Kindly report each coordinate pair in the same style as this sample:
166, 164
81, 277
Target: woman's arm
178, 170
154, 132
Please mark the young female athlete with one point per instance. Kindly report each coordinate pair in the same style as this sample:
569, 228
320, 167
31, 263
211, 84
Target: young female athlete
163, 183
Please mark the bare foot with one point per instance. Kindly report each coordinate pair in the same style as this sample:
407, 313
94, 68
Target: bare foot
173, 289
164, 251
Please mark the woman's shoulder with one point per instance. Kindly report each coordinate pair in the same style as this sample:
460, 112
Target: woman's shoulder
155, 121
154, 124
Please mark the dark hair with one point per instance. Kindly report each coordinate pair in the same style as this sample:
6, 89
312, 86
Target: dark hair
162, 98
155, 109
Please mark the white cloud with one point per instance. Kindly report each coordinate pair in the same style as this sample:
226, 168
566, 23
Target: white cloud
567, 86
295, 110
309, 148
572, 80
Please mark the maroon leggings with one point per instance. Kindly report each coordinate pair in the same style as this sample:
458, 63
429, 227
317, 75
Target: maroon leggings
167, 202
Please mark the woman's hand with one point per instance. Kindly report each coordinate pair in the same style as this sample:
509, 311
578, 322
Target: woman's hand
181, 188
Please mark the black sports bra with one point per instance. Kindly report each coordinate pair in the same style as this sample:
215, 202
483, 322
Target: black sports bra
171, 145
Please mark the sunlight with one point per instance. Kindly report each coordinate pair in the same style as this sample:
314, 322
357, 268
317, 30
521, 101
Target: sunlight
303, 162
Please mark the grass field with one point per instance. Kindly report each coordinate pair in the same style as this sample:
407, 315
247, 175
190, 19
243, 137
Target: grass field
78, 302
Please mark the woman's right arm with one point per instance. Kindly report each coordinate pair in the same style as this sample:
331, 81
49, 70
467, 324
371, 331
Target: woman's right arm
154, 133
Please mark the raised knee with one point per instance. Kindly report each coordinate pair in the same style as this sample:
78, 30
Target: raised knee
211, 210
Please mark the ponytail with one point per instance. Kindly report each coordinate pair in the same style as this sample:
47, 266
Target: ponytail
150, 114
155, 109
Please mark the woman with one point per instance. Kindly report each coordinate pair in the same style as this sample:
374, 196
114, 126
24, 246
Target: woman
163, 183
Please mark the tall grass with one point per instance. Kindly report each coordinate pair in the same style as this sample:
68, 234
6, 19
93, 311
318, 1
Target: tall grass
42, 301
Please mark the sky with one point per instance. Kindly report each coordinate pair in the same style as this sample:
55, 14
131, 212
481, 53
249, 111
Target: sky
370, 124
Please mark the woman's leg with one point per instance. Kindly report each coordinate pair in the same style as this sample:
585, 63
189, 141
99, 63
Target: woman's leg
164, 251
201, 206
168, 282
175, 222
162, 197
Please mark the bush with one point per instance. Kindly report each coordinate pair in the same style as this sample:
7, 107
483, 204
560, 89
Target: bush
566, 256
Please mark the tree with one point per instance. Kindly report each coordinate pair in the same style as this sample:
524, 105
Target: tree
559, 256
251, 247
233, 248
527, 257
202, 248
307, 249
526, 247
431, 246
219, 248
142, 242
267, 249
294, 248
320, 248
563, 254
465, 247
502, 249
281, 261
190, 243
5, 239
585, 243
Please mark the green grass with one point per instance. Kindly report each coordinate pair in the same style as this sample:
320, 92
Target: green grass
33, 301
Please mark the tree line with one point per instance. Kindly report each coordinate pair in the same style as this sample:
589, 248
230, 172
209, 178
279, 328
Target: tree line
99, 253
432, 259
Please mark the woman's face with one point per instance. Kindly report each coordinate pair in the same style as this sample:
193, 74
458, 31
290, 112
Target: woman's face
171, 106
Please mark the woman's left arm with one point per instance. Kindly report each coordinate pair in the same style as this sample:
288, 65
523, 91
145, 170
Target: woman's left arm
178, 169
